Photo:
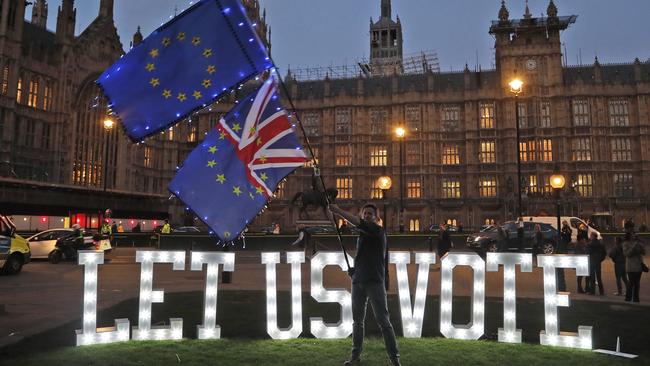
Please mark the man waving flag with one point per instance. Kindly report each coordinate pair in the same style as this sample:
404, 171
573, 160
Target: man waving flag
183, 66
229, 178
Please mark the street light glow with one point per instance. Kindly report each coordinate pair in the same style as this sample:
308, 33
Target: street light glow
108, 124
557, 181
384, 182
400, 132
516, 86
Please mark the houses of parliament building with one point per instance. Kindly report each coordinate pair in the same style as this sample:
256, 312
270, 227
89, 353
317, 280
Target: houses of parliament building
465, 131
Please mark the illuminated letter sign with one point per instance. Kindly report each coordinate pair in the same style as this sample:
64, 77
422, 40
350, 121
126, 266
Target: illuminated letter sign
552, 299
475, 328
90, 335
295, 259
509, 333
210, 329
319, 329
412, 317
144, 330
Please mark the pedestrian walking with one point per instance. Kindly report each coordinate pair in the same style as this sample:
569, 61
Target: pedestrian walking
539, 239
597, 254
617, 256
520, 234
368, 281
502, 238
634, 251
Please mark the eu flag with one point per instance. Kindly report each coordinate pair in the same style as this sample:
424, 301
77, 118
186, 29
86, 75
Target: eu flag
229, 177
183, 66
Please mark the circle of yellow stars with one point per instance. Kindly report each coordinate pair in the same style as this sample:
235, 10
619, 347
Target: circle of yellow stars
155, 82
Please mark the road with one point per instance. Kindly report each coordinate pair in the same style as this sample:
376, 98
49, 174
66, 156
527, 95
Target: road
45, 296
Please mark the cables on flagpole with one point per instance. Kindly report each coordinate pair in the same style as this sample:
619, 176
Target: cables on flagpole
314, 162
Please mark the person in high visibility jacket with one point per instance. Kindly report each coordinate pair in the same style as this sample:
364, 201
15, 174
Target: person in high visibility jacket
166, 229
106, 229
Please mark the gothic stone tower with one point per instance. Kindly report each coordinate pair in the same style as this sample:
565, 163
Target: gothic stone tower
530, 48
386, 43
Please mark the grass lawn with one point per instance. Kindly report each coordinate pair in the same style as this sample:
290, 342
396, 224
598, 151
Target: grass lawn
241, 314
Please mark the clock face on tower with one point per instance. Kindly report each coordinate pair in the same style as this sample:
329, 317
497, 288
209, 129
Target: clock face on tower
531, 64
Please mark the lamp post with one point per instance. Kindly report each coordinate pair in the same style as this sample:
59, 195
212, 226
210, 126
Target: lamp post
516, 86
384, 183
400, 133
108, 127
557, 182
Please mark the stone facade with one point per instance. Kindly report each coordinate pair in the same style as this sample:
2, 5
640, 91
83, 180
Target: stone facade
590, 123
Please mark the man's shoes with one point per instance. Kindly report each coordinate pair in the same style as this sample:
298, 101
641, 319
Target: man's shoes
353, 362
395, 362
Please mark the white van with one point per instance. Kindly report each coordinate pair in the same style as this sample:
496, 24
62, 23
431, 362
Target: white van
574, 222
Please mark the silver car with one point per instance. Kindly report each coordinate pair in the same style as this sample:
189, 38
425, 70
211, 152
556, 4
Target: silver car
42, 244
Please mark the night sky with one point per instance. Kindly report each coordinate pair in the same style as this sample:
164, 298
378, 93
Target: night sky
307, 33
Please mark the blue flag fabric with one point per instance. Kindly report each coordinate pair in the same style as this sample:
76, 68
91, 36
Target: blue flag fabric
229, 177
184, 65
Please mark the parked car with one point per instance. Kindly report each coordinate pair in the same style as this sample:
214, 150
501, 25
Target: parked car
14, 249
42, 244
487, 241
187, 229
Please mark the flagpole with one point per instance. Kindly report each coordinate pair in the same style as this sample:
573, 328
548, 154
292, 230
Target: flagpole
314, 161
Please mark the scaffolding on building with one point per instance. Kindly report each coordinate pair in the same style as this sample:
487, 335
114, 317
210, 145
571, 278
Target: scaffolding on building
414, 63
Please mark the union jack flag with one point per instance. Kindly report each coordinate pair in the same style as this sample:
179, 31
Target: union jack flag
229, 178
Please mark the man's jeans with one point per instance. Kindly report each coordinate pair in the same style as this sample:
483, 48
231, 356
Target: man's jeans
376, 293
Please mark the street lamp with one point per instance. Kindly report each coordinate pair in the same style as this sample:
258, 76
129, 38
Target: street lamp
108, 127
400, 133
516, 87
557, 182
384, 183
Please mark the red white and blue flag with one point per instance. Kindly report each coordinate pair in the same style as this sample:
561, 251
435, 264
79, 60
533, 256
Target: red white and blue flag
229, 178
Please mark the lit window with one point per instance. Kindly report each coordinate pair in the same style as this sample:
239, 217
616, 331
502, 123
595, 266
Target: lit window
532, 184
487, 115
148, 153
32, 99
5, 80
414, 225
192, 136
450, 155
487, 152
312, 159
451, 188
19, 91
170, 134
344, 186
527, 150
375, 191
584, 185
378, 155
546, 150
47, 97
280, 191
413, 188
487, 186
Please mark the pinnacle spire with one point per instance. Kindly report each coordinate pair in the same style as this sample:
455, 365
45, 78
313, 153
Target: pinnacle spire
551, 10
527, 15
386, 11
503, 12
106, 8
